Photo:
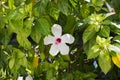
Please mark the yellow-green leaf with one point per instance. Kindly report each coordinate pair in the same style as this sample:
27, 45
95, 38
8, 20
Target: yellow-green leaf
104, 59
89, 33
93, 52
11, 63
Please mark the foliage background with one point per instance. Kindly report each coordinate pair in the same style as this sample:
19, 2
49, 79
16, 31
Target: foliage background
25, 23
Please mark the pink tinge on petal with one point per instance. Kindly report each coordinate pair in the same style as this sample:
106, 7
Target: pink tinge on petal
111, 10
58, 41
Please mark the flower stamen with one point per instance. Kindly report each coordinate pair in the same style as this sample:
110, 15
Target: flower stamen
112, 10
58, 40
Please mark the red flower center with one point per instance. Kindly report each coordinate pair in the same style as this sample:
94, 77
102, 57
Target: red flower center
58, 40
112, 10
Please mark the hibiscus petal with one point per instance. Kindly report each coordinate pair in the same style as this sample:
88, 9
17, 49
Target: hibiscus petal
48, 40
116, 25
20, 78
29, 77
111, 10
57, 30
54, 50
67, 38
64, 49
109, 14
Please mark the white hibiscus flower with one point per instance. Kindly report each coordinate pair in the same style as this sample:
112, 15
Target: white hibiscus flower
29, 77
58, 41
111, 10
20, 78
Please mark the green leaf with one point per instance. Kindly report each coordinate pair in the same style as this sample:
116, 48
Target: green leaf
23, 30
42, 56
15, 15
64, 6
89, 44
35, 34
11, 4
74, 3
93, 52
19, 54
95, 19
16, 25
105, 31
28, 9
53, 10
85, 10
43, 26
89, 33
23, 61
69, 27
97, 2
68, 76
66, 57
11, 62
117, 38
2, 21
50, 75
5, 35
56, 65
104, 61
27, 26
40, 8
88, 76
23, 41
19, 60
104, 43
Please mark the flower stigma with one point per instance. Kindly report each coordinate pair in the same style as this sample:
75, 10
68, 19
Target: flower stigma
58, 40
112, 10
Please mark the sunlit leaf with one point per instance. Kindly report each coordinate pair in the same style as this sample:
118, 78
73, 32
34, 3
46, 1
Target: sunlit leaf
104, 43
104, 31
104, 59
27, 26
16, 25
12, 62
43, 26
11, 4
89, 33
93, 52
23, 41
85, 10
